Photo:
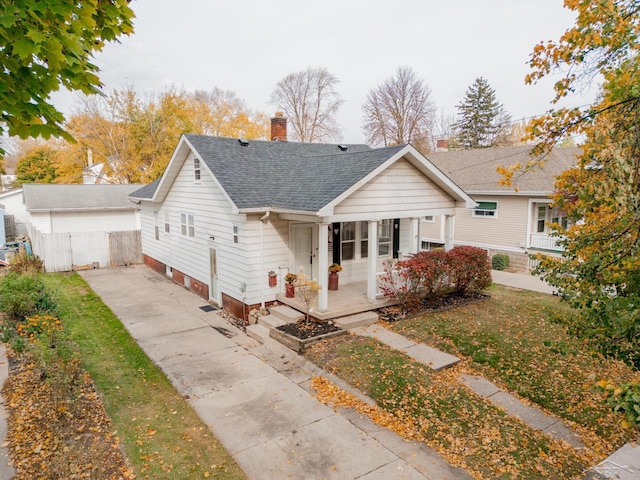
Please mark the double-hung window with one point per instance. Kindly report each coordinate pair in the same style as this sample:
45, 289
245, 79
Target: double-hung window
348, 241
187, 224
384, 237
486, 209
196, 169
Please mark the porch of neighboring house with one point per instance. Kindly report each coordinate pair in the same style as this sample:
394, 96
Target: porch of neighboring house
349, 299
544, 216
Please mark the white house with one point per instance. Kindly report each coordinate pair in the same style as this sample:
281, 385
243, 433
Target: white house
227, 212
16, 211
72, 226
514, 220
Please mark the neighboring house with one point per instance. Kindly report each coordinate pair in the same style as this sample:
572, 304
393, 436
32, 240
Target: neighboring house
508, 219
80, 226
227, 212
7, 182
15, 214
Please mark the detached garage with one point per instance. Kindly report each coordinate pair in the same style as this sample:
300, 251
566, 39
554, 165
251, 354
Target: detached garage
83, 226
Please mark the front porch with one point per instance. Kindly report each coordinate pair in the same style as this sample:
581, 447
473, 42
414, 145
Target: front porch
349, 299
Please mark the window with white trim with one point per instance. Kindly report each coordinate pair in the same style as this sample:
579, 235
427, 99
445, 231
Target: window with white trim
236, 234
348, 241
187, 224
364, 239
156, 227
486, 209
430, 219
196, 169
384, 237
167, 225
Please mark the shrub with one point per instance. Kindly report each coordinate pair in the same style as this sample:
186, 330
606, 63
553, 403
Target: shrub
26, 264
624, 399
22, 296
470, 269
500, 261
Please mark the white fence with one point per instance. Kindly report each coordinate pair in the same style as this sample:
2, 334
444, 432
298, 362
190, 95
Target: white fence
544, 241
63, 252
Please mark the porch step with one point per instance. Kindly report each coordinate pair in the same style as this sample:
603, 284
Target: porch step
270, 321
258, 332
287, 314
358, 320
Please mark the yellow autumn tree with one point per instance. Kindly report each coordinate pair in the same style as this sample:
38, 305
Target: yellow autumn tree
599, 271
133, 136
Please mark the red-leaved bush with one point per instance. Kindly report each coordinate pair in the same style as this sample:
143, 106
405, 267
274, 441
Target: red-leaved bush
464, 270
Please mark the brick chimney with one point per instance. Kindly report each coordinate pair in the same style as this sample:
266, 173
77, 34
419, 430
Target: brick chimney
278, 128
442, 145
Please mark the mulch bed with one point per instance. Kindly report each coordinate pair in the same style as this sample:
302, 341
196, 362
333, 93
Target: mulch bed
304, 330
432, 305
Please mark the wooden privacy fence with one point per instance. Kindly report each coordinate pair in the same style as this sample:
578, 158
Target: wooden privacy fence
63, 252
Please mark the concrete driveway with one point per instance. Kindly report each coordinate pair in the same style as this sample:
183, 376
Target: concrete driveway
255, 398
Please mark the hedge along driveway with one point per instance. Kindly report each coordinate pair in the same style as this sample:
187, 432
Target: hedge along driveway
162, 435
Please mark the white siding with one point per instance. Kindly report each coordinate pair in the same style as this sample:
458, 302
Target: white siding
41, 221
14, 205
94, 221
275, 250
214, 221
401, 187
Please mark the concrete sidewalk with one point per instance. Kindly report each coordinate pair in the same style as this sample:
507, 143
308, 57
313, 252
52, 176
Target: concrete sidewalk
255, 398
523, 280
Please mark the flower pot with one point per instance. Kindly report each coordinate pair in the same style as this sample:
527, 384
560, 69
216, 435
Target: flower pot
289, 290
273, 280
333, 281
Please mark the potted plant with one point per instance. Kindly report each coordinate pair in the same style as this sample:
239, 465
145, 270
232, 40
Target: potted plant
290, 285
334, 268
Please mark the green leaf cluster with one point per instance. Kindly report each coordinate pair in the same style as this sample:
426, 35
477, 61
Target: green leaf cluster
45, 45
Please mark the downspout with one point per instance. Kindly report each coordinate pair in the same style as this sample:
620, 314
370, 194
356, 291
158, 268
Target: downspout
262, 219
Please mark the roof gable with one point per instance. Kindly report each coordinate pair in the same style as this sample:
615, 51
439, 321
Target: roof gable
476, 170
288, 176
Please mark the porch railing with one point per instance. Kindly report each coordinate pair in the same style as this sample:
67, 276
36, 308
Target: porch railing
544, 241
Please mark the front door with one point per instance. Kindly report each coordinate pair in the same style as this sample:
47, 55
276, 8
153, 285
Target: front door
213, 287
302, 248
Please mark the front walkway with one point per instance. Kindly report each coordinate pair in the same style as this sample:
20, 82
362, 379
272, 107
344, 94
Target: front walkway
256, 398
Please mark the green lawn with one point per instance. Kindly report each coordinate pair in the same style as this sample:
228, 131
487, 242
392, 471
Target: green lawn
514, 340
162, 435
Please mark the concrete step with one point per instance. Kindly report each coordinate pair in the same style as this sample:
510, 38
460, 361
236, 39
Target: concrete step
285, 313
258, 332
358, 320
270, 321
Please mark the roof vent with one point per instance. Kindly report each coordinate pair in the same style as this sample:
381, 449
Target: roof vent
343, 148
243, 142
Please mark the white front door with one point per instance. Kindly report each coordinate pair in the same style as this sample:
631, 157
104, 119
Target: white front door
302, 248
213, 287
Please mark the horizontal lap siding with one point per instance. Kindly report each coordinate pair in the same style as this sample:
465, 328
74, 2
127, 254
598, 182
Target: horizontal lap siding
507, 230
400, 187
212, 218
95, 221
434, 231
275, 250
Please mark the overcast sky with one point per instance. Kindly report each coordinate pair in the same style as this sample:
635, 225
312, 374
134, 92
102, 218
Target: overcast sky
247, 46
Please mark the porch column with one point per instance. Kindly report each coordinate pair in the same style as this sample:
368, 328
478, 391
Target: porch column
323, 266
372, 281
448, 231
414, 236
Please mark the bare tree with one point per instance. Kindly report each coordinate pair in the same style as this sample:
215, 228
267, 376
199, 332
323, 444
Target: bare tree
310, 101
400, 110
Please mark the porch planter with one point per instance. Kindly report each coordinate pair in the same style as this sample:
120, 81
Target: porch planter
289, 290
298, 344
333, 281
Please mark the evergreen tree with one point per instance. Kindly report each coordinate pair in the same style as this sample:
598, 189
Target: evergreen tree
483, 121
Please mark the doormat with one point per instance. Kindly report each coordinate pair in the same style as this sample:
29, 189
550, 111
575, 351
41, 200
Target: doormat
209, 308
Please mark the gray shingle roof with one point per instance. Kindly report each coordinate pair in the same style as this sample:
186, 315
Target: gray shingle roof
475, 170
287, 175
78, 197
